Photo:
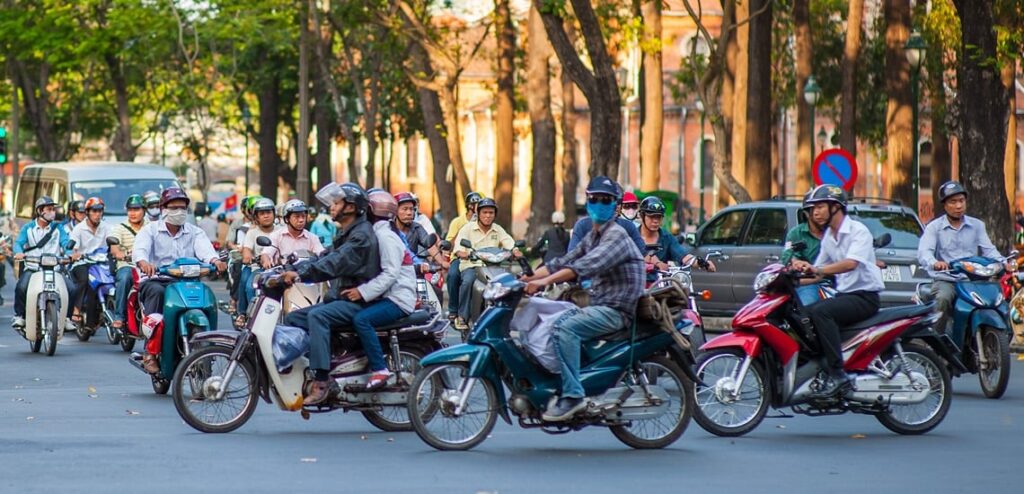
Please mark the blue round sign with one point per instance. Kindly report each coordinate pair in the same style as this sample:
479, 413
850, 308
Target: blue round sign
835, 167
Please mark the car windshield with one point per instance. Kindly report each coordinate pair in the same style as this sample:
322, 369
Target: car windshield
904, 228
115, 192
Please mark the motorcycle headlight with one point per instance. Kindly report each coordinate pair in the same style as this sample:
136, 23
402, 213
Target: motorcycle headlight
493, 257
191, 271
982, 269
683, 278
48, 261
763, 280
494, 291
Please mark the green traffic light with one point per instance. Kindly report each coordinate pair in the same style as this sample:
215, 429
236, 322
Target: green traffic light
3, 132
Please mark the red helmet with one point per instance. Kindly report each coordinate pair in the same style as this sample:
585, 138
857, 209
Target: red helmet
630, 198
94, 203
172, 194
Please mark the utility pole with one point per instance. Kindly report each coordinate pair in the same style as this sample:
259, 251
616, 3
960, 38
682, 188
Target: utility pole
15, 141
302, 170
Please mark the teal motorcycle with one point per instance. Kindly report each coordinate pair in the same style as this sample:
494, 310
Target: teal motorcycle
639, 382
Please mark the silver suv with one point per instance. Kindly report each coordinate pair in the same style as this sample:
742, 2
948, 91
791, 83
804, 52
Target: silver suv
751, 235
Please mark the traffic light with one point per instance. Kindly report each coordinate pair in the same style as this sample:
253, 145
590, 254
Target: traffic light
3, 145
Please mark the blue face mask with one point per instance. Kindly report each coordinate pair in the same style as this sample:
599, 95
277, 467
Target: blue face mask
601, 213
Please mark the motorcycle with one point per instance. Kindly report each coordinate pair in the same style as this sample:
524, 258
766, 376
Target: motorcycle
46, 302
639, 381
681, 275
772, 359
99, 312
299, 295
981, 325
216, 389
496, 262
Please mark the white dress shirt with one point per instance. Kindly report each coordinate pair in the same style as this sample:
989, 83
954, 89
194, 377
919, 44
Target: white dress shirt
853, 242
86, 240
155, 244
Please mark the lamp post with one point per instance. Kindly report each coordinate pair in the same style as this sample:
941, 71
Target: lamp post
915, 50
812, 93
163, 125
700, 157
247, 122
822, 137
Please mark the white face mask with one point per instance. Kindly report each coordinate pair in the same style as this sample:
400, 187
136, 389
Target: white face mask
176, 217
153, 212
49, 216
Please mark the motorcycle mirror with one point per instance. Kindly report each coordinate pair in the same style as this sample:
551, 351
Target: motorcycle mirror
111, 241
883, 240
520, 244
466, 243
798, 246
691, 238
71, 244
263, 241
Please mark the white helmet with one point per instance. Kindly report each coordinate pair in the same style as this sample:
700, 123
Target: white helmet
558, 218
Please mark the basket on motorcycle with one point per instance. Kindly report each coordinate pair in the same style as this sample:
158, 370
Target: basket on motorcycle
662, 305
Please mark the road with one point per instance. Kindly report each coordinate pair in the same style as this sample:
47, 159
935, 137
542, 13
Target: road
87, 421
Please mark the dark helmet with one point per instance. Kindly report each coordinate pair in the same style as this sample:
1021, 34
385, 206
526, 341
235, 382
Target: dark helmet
262, 204
407, 197
293, 206
950, 189
44, 201
487, 203
94, 203
473, 198
356, 195
173, 194
134, 201
827, 193
807, 196
76, 206
382, 204
652, 205
222, 217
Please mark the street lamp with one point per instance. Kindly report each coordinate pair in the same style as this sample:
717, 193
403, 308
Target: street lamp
822, 136
163, 125
247, 122
915, 50
700, 156
812, 93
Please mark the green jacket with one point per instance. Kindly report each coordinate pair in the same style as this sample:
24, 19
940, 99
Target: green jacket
801, 233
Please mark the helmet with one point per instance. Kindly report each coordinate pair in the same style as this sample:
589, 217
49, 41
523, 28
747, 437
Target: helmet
557, 217
652, 205
151, 198
382, 204
473, 198
487, 203
604, 185
247, 203
629, 198
173, 194
134, 201
807, 196
76, 206
407, 197
827, 193
94, 203
262, 204
354, 194
44, 201
950, 189
293, 206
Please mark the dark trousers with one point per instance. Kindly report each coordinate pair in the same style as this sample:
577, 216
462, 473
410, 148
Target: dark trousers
454, 282
318, 320
151, 295
80, 277
123, 285
831, 314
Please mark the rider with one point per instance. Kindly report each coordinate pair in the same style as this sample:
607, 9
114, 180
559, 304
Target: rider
454, 273
160, 243
630, 207
41, 236
293, 237
152, 200
76, 215
948, 238
555, 241
482, 233
264, 215
236, 236
652, 212
89, 235
135, 207
415, 234
585, 225
809, 233
355, 261
612, 261
847, 252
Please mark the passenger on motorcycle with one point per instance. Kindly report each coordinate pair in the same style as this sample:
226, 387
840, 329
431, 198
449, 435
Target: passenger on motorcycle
482, 233
585, 225
135, 208
612, 261
809, 233
454, 272
41, 236
652, 212
292, 238
89, 236
555, 241
160, 243
947, 238
355, 261
415, 234
630, 208
152, 200
76, 215
848, 253
236, 236
263, 214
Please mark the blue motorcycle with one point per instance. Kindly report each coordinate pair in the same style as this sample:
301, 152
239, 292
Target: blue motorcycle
980, 326
639, 382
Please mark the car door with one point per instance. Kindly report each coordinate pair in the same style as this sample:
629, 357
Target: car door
721, 234
761, 244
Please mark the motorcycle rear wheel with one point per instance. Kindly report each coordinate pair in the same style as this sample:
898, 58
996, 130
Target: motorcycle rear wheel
50, 328
82, 332
720, 414
199, 376
920, 417
396, 418
995, 378
432, 403
668, 375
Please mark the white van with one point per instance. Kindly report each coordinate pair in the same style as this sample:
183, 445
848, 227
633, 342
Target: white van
111, 181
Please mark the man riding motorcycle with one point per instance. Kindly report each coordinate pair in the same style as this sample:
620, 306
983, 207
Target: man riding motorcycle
135, 208
263, 214
848, 253
652, 212
482, 233
89, 236
608, 257
809, 233
948, 238
415, 234
41, 236
160, 243
454, 273
355, 261
152, 201
293, 237
585, 225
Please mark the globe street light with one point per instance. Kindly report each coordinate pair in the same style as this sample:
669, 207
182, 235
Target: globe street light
915, 50
812, 93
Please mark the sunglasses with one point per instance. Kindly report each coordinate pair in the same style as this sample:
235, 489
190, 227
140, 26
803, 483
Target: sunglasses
658, 217
602, 199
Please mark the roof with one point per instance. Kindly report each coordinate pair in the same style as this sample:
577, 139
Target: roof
79, 170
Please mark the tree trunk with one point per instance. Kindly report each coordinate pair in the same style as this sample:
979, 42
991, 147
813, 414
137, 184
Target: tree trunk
542, 127
570, 167
37, 107
942, 169
982, 104
851, 52
433, 127
1010, 157
325, 130
599, 86
738, 140
728, 106
899, 113
759, 115
505, 113
453, 136
121, 144
266, 137
652, 118
804, 125
371, 104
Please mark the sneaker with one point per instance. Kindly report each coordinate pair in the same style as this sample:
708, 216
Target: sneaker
378, 379
564, 409
18, 322
837, 381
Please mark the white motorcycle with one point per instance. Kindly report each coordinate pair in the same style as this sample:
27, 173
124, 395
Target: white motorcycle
46, 302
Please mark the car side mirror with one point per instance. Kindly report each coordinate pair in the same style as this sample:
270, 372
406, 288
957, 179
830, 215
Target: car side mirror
691, 238
466, 243
263, 241
883, 240
112, 241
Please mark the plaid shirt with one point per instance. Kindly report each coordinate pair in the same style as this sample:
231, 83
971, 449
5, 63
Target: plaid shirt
611, 260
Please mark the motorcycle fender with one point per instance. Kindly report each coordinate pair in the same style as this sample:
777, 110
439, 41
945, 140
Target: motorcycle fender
989, 317
749, 343
194, 318
481, 365
222, 338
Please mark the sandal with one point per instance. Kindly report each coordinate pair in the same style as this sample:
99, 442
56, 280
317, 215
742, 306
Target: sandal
117, 324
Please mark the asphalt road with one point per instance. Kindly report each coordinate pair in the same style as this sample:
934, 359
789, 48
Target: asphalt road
87, 421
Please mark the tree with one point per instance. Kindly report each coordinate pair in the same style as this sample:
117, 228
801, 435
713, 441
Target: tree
759, 111
504, 117
851, 53
899, 115
570, 167
940, 28
542, 126
434, 129
652, 116
804, 61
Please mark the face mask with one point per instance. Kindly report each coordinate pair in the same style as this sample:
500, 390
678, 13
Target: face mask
176, 217
601, 213
49, 217
153, 212
630, 214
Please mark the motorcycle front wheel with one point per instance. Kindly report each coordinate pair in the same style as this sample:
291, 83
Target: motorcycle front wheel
434, 401
995, 373
396, 418
663, 430
725, 408
196, 383
921, 417
113, 335
50, 328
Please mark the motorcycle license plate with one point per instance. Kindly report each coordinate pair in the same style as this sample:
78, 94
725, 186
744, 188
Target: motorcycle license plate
891, 273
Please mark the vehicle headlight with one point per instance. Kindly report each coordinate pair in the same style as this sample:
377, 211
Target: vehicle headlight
683, 278
493, 258
494, 291
191, 271
48, 261
763, 280
981, 269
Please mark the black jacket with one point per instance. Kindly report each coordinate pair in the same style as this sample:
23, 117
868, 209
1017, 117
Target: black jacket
352, 260
554, 243
417, 240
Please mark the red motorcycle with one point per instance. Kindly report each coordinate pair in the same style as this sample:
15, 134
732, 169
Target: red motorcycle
131, 330
772, 358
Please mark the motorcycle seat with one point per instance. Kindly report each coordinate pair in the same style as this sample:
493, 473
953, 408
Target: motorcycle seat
417, 318
892, 314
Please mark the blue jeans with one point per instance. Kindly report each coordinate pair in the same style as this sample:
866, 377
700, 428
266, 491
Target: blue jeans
376, 314
245, 290
454, 281
570, 331
318, 321
122, 285
466, 292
